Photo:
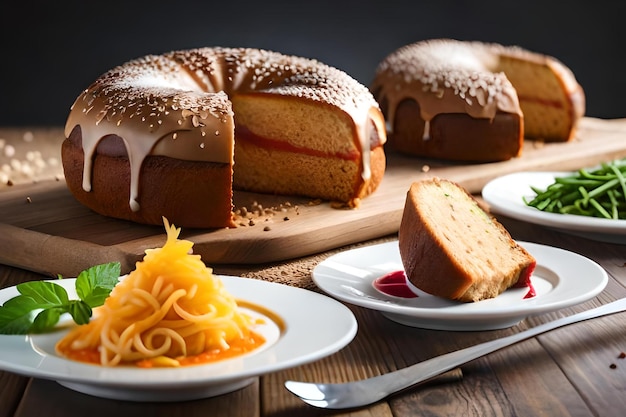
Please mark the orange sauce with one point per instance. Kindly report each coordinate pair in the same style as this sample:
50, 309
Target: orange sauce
237, 347
82, 355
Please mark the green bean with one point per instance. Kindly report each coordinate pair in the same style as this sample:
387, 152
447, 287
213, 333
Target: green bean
592, 192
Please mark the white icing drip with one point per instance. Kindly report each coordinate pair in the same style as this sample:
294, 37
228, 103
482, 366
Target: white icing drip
88, 151
183, 124
137, 150
446, 76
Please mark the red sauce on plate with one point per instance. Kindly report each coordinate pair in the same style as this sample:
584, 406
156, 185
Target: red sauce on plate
394, 284
524, 281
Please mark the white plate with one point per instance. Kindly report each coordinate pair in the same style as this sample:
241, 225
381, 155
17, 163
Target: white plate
504, 196
301, 326
561, 279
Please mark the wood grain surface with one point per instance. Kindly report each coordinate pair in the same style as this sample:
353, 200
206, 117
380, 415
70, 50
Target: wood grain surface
574, 371
49, 232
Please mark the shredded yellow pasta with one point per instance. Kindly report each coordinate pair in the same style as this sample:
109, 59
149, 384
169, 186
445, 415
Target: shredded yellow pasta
170, 306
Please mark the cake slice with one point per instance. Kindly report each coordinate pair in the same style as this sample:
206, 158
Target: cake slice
451, 248
295, 146
551, 99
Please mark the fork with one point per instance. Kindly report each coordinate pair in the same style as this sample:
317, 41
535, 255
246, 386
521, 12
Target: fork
367, 391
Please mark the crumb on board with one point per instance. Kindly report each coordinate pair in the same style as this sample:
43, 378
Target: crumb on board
256, 213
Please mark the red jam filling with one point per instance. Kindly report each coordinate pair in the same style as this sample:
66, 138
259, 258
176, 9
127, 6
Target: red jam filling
548, 103
244, 134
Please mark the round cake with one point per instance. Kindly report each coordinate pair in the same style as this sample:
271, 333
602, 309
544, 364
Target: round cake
474, 101
172, 135
451, 248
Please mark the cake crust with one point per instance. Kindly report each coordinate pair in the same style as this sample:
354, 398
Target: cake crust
308, 129
160, 184
500, 138
448, 96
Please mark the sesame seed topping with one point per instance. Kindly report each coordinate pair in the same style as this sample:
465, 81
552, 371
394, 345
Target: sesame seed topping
460, 76
178, 101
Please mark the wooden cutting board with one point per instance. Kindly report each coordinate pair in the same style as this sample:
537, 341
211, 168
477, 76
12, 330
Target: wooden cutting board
43, 229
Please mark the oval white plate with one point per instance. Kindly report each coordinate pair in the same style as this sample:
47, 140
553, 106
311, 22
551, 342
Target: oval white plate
505, 196
301, 326
561, 279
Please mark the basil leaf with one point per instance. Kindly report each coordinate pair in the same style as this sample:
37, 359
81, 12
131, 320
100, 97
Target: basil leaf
19, 304
16, 325
93, 285
16, 315
80, 311
39, 305
46, 319
45, 294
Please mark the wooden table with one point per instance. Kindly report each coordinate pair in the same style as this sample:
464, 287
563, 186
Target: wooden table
576, 370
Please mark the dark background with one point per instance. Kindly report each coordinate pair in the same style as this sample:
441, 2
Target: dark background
52, 51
